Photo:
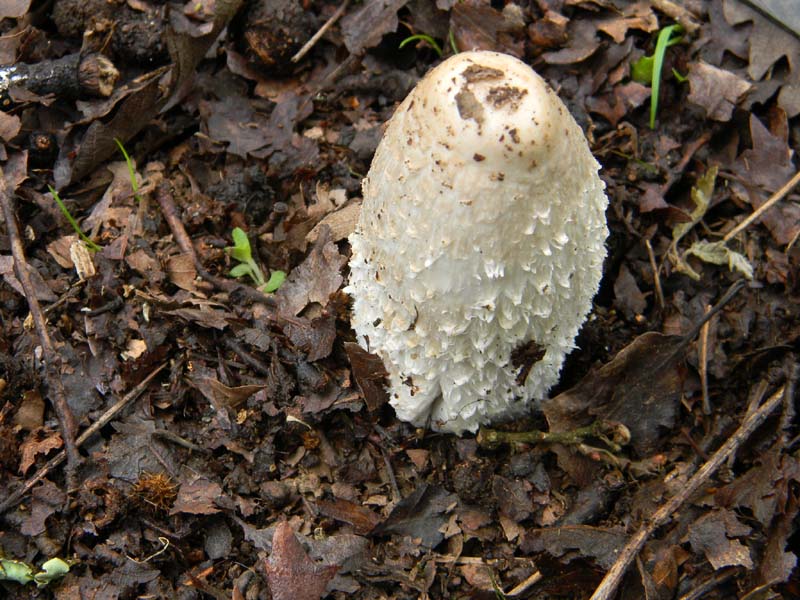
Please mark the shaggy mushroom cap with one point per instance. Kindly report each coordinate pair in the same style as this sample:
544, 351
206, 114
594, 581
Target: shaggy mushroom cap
480, 243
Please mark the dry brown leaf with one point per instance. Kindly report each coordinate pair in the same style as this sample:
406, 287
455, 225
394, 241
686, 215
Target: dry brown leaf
317, 277
291, 573
718, 91
33, 447
197, 498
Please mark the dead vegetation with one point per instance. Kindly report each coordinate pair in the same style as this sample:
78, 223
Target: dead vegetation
173, 432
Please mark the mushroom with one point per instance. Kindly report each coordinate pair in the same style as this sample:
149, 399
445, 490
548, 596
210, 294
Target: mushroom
480, 243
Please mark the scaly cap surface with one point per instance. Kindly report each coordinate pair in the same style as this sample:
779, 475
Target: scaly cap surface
479, 245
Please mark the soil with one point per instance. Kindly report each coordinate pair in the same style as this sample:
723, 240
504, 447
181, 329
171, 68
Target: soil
170, 431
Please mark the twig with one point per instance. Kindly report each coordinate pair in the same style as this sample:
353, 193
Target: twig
104, 420
677, 12
614, 435
250, 360
51, 359
523, 586
703, 360
608, 587
170, 212
315, 38
774, 199
72, 76
656, 277
712, 582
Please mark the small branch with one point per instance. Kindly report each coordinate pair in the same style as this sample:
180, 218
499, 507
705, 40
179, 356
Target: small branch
525, 585
70, 76
656, 277
315, 38
703, 360
774, 199
104, 420
614, 435
608, 587
247, 358
677, 12
51, 359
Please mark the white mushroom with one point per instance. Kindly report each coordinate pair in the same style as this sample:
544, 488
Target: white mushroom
480, 243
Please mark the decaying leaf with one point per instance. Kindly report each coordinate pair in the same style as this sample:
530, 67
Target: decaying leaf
479, 26
360, 517
291, 574
365, 26
714, 533
702, 192
47, 499
315, 279
33, 446
763, 170
718, 253
420, 515
639, 388
41, 290
718, 91
197, 498
369, 373
601, 544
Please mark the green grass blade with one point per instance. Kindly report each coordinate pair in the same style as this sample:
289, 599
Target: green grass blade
65, 211
662, 43
452, 37
131, 170
424, 38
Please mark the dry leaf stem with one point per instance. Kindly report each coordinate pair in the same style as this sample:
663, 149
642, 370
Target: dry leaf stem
774, 199
315, 38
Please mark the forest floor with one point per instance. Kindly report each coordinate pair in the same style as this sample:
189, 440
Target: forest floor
167, 431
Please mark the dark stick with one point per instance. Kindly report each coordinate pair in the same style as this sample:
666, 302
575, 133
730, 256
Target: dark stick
52, 360
70, 76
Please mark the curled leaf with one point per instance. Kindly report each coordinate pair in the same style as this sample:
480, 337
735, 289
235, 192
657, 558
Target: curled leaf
54, 568
718, 253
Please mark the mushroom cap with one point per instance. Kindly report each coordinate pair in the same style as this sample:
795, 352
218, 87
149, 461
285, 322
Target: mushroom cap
479, 245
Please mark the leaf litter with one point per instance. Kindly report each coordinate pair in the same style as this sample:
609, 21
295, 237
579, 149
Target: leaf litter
265, 461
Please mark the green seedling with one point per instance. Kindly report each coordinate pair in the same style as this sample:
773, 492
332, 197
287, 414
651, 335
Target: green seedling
241, 252
422, 37
65, 211
131, 170
648, 68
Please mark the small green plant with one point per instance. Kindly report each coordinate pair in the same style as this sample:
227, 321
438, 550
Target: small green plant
65, 211
131, 170
648, 68
241, 252
422, 37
